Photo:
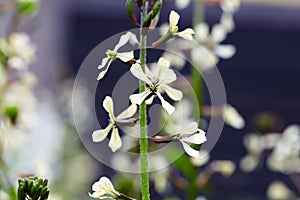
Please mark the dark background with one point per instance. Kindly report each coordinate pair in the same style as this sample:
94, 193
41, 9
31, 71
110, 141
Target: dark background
262, 76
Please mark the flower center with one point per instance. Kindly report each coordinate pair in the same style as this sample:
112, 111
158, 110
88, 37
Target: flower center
111, 54
153, 88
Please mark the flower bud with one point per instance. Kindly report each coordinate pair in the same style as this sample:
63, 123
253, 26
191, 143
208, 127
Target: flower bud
130, 11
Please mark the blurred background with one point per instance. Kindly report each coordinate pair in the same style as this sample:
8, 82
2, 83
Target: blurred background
263, 76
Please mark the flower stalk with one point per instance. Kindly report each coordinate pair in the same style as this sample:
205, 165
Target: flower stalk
197, 84
143, 110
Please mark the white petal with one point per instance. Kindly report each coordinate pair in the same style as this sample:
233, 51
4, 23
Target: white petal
108, 105
123, 40
227, 21
173, 20
100, 135
197, 138
173, 93
189, 150
103, 62
249, 163
202, 31
163, 64
168, 107
139, 98
133, 39
104, 186
129, 112
204, 59
225, 51
150, 100
137, 71
187, 34
126, 56
218, 33
149, 73
233, 118
181, 4
102, 74
190, 128
167, 76
115, 141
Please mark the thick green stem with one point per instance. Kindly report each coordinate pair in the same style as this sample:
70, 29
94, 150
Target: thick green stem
143, 113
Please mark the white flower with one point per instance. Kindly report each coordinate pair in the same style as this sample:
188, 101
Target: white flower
230, 6
115, 141
19, 49
173, 28
181, 4
225, 167
278, 191
202, 159
104, 189
191, 134
157, 80
207, 56
114, 54
227, 22
233, 118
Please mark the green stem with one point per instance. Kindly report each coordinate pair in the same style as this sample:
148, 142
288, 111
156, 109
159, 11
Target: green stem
197, 84
143, 119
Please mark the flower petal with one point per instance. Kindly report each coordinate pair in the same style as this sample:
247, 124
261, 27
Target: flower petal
108, 105
123, 40
115, 141
173, 20
129, 112
202, 31
233, 118
150, 100
225, 51
168, 107
190, 128
126, 56
218, 33
181, 4
173, 93
137, 71
102, 74
228, 22
187, 34
103, 62
101, 134
167, 76
189, 150
197, 138
203, 58
139, 98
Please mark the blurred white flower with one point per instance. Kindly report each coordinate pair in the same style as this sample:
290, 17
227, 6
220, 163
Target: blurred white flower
173, 28
181, 4
279, 191
227, 21
191, 134
202, 159
207, 55
255, 145
115, 141
104, 189
230, 6
201, 198
233, 118
19, 49
285, 155
114, 54
225, 167
157, 80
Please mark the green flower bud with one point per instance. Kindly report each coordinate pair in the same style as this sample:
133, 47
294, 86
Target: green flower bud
130, 11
